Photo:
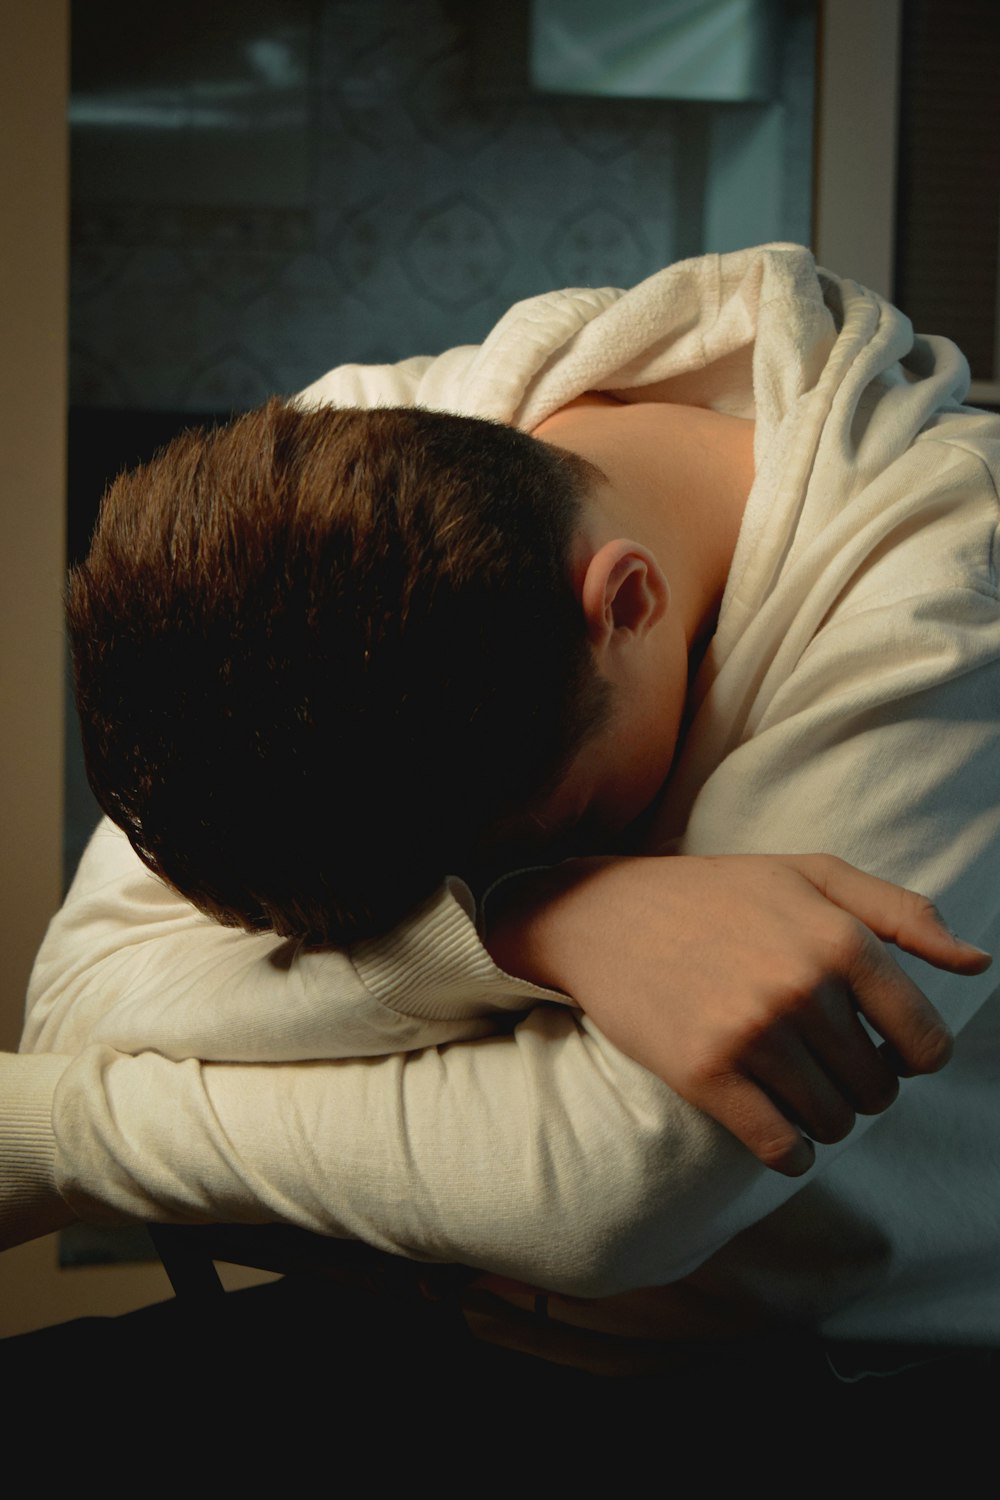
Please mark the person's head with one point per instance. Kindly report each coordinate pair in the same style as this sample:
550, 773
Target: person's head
319, 655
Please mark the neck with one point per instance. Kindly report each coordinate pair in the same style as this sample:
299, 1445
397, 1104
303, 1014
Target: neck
678, 480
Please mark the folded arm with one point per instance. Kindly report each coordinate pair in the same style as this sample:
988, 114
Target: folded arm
545, 1154
532, 1152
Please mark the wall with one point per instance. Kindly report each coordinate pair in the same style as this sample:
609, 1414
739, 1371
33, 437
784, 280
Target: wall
304, 185
34, 69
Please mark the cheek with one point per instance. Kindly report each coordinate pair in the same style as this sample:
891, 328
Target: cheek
640, 772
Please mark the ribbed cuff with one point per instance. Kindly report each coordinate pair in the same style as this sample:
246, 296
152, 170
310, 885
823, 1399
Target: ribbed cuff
30, 1203
433, 966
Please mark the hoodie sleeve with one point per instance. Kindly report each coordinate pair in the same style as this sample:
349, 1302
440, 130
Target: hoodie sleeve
128, 963
544, 1154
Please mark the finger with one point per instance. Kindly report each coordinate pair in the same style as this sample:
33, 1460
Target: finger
802, 1090
896, 915
898, 1010
893, 1060
745, 1110
862, 1072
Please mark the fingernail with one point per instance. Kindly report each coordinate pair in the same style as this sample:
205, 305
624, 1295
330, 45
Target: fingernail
983, 952
965, 942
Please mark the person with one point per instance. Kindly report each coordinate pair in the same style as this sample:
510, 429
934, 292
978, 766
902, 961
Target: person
858, 617
300, 611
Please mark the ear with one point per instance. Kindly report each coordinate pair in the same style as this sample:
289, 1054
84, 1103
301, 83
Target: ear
624, 588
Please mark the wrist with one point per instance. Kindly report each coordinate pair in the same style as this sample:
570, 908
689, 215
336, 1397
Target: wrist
532, 923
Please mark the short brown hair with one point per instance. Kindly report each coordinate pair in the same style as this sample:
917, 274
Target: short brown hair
319, 653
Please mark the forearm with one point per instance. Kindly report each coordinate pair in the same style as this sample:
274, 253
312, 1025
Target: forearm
545, 1155
130, 964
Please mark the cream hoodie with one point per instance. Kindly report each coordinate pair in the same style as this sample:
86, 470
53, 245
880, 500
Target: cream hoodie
849, 703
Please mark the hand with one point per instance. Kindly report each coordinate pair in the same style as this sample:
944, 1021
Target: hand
738, 981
